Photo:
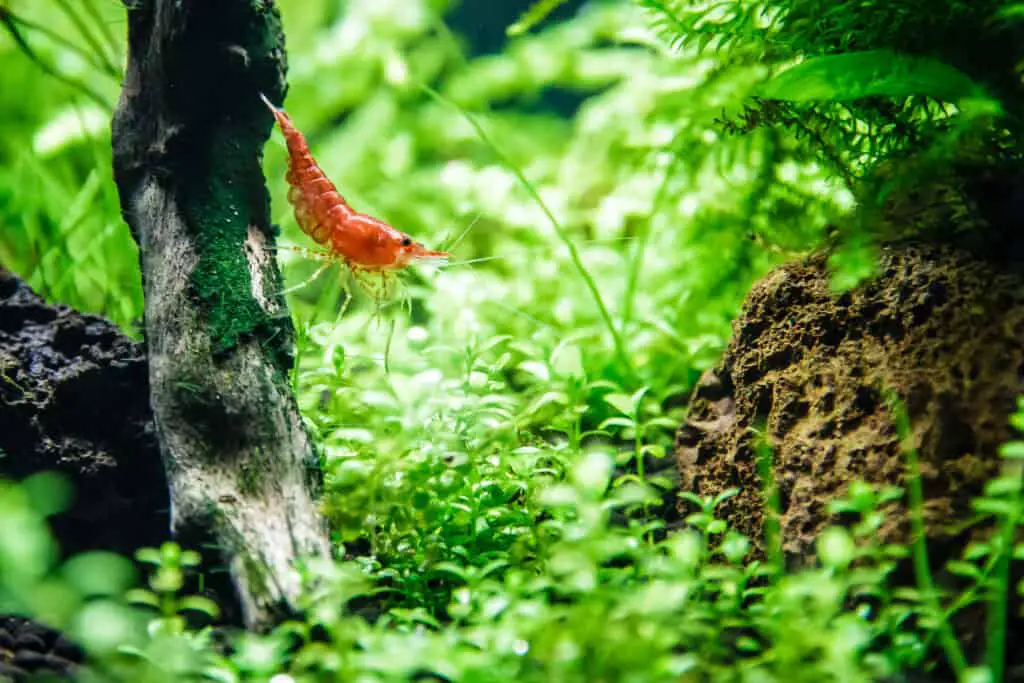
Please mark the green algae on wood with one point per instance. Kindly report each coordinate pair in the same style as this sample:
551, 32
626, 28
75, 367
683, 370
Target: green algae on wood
188, 135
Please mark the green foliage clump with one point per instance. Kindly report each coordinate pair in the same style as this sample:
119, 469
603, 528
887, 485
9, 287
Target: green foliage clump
497, 494
896, 99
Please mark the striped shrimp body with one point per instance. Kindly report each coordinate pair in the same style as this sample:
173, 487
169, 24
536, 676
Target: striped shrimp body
366, 245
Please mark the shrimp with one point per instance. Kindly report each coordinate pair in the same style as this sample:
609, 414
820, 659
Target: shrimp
371, 249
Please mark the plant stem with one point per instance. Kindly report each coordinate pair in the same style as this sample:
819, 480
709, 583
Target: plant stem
574, 255
922, 571
772, 505
640, 248
999, 598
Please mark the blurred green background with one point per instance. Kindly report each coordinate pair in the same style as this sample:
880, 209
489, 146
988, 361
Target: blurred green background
610, 128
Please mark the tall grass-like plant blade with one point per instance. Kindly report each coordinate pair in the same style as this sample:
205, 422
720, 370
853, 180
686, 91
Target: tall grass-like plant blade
108, 35
922, 570
872, 73
574, 254
95, 61
637, 259
999, 593
772, 502
7, 19
536, 13
83, 29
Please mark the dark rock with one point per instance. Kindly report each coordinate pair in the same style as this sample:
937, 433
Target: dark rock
29, 647
29, 641
74, 398
31, 660
9, 672
65, 649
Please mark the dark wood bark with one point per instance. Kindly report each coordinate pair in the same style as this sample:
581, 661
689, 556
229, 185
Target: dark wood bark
188, 134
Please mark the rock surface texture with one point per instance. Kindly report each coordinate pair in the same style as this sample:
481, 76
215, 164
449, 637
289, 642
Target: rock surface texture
28, 649
74, 398
943, 329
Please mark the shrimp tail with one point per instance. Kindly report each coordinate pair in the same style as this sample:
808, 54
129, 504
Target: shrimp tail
319, 207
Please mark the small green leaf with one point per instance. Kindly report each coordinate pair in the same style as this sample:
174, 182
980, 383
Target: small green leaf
663, 422
198, 603
593, 472
623, 422
141, 596
734, 546
550, 398
148, 556
836, 548
190, 558
170, 553
655, 450
965, 569
567, 361
621, 402
104, 626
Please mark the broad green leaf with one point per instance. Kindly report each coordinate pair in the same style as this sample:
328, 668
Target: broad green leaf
99, 573
872, 73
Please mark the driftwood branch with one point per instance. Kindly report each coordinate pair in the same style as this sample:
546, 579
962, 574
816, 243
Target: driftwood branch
188, 135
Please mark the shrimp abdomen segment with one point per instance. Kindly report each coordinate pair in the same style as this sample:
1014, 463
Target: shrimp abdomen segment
320, 210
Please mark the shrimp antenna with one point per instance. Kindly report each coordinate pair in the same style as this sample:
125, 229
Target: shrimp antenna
455, 243
270, 105
527, 250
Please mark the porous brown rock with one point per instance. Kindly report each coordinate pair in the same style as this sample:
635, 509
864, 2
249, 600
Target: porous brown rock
940, 327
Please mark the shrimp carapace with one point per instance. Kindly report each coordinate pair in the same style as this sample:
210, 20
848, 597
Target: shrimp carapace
363, 242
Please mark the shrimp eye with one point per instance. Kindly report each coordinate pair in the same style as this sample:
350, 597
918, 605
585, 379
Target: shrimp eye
406, 242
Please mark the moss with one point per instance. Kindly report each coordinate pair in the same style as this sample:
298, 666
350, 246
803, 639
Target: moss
238, 51
220, 221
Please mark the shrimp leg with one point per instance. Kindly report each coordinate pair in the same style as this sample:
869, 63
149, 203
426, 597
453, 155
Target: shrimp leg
309, 280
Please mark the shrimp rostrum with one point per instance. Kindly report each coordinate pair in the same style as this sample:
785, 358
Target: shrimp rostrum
373, 251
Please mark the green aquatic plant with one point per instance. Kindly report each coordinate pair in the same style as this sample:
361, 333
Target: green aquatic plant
495, 499
889, 97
